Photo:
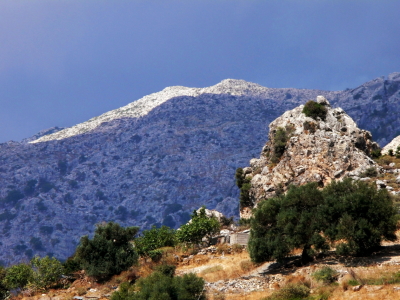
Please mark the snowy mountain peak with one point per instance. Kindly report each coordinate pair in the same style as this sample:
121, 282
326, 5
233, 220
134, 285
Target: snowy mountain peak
144, 105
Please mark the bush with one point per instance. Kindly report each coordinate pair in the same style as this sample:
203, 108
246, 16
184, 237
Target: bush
397, 152
18, 276
13, 196
46, 272
71, 265
4, 292
155, 255
109, 252
237, 248
44, 185
358, 214
370, 172
390, 152
239, 177
326, 275
244, 185
200, 226
279, 143
36, 243
155, 238
245, 199
315, 110
246, 265
168, 270
290, 291
161, 286
222, 248
376, 153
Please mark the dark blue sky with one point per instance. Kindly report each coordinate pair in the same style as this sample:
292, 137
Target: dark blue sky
63, 62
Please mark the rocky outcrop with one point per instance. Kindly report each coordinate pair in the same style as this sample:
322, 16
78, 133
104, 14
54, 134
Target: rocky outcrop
302, 149
393, 145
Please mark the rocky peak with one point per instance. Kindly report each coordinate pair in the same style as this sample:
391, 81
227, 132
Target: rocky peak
302, 149
393, 145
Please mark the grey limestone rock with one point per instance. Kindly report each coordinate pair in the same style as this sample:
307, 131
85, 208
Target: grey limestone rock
314, 151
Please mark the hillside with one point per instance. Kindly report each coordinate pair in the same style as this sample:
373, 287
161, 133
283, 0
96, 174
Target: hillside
155, 160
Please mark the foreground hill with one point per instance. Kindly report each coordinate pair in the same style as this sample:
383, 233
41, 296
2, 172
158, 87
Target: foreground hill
155, 160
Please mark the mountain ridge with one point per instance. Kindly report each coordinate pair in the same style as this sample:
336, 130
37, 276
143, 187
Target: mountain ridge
159, 167
144, 105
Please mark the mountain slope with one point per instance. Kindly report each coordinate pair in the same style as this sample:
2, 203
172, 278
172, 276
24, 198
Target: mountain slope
151, 162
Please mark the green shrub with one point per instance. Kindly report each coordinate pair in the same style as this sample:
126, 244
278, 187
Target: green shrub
168, 270
46, 272
377, 153
397, 152
315, 110
109, 252
239, 177
326, 275
290, 291
245, 199
244, 185
155, 238
390, 152
370, 172
4, 292
155, 255
71, 265
244, 222
18, 276
279, 143
200, 226
353, 282
160, 286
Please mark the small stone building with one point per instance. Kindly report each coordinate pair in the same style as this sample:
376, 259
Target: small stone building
241, 238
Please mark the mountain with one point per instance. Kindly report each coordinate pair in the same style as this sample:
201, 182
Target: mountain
155, 160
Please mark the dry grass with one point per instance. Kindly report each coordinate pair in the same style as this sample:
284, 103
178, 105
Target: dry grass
212, 270
250, 296
386, 293
222, 267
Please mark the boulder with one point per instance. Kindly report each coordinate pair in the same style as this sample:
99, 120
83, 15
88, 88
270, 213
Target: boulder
301, 149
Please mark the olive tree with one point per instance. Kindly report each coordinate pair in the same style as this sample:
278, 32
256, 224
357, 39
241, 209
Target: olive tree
109, 252
284, 223
352, 213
